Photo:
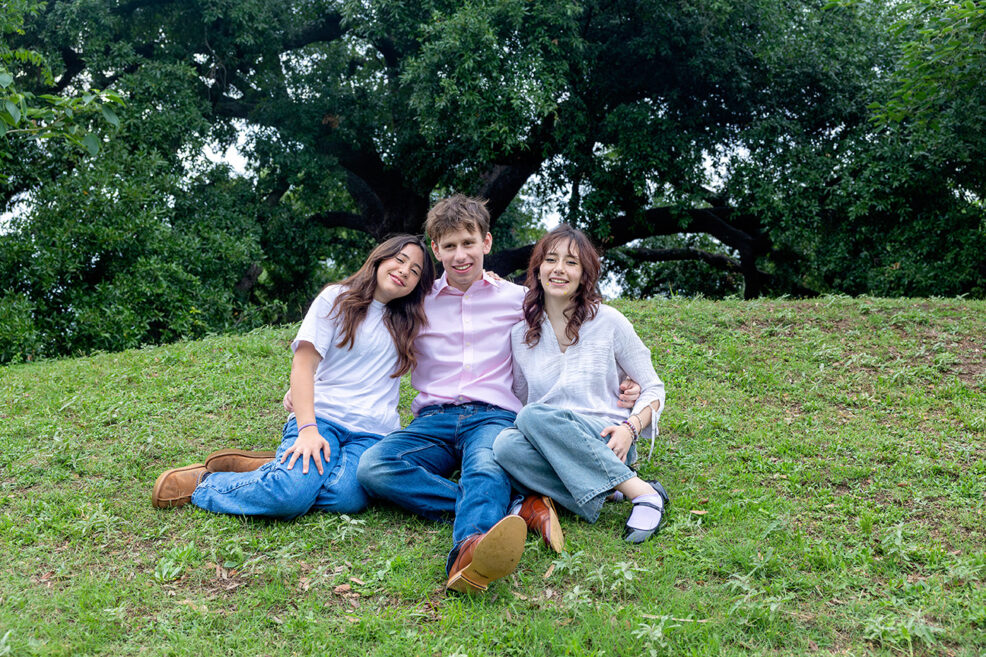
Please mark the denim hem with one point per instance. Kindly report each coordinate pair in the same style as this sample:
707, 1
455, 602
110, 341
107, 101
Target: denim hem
591, 505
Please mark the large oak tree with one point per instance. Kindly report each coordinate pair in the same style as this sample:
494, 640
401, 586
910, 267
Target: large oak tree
734, 134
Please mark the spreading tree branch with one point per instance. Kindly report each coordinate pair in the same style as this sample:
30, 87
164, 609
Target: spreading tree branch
716, 260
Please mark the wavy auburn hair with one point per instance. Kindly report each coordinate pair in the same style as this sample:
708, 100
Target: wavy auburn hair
403, 317
585, 302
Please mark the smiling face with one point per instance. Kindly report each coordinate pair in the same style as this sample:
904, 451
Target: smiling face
560, 274
397, 275
461, 252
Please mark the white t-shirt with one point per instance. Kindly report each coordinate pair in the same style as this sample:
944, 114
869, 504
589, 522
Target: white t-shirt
353, 387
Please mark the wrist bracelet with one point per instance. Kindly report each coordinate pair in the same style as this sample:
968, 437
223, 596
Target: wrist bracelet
305, 426
633, 432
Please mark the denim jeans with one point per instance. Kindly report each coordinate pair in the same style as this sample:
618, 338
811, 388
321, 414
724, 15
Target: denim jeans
558, 453
411, 467
274, 491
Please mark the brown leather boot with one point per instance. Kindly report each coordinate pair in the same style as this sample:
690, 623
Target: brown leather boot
538, 511
236, 460
486, 557
175, 487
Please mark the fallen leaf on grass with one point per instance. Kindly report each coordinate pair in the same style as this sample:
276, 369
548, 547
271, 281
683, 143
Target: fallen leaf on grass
699, 512
356, 580
342, 588
548, 572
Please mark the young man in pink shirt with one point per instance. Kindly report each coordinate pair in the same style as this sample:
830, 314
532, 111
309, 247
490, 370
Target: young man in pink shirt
464, 378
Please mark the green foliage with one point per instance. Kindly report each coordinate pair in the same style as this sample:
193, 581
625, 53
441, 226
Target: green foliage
354, 116
124, 253
45, 115
938, 91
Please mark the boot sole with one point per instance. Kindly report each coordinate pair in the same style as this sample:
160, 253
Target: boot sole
557, 539
496, 556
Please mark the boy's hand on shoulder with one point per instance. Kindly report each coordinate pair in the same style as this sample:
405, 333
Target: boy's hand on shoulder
629, 393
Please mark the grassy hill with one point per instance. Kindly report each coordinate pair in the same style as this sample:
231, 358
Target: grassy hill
826, 461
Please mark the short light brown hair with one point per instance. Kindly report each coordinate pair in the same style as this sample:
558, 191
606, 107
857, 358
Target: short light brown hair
455, 212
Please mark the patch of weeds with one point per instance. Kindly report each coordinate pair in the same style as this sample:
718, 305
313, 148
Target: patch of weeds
894, 547
964, 571
340, 527
754, 606
823, 557
576, 597
4, 646
347, 527
655, 634
892, 633
613, 578
172, 565
167, 570
568, 562
866, 520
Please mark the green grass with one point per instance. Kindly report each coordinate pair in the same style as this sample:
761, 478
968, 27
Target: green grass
826, 461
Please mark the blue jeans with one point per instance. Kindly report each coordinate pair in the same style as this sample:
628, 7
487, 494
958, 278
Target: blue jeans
411, 467
274, 491
560, 454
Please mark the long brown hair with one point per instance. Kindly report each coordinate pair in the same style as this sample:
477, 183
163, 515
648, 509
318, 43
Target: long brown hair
585, 301
403, 317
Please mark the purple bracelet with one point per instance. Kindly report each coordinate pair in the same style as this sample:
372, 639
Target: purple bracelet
305, 426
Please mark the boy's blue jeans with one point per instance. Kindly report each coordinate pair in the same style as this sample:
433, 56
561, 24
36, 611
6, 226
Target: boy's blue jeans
274, 491
411, 467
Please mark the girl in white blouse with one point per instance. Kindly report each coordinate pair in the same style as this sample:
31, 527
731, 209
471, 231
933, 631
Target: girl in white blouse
572, 442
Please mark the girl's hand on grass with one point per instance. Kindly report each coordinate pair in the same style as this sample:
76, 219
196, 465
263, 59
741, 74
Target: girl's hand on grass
620, 440
309, 444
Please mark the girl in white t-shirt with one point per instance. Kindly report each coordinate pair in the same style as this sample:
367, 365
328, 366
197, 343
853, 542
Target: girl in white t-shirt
572, 442
350, 352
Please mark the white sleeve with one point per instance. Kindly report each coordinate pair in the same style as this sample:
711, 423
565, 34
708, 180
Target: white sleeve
317, 328
635, 359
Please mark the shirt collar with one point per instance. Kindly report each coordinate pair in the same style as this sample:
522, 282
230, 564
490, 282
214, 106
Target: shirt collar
442, 284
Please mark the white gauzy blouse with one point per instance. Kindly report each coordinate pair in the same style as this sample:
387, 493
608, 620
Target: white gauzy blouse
585, 378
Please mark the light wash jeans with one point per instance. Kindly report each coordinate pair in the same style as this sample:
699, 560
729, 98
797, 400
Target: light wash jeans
560, 454
273, 491
411, 468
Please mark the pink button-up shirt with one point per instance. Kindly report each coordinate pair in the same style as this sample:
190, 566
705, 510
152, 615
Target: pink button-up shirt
464, 352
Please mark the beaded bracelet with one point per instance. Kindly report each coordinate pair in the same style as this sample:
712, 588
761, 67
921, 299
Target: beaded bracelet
305, 426
633, 431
